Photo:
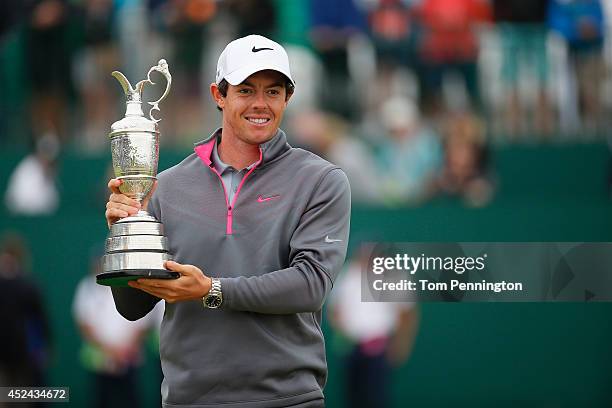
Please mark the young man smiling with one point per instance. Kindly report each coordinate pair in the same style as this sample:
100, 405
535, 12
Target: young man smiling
259, 232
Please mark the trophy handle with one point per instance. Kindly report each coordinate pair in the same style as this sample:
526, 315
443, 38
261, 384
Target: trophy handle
162, 68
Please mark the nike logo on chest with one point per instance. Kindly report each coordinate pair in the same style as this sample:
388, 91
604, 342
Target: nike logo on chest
262, 199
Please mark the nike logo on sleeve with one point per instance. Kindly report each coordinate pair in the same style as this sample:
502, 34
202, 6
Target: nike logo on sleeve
329, 240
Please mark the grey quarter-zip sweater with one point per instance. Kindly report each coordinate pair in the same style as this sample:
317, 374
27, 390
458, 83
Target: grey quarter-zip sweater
277, 248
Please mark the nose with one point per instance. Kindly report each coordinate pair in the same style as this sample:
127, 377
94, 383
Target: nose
260, 100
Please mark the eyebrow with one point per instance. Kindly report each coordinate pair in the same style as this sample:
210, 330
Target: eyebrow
275, 84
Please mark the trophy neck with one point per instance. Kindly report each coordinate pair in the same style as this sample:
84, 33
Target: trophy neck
134, 108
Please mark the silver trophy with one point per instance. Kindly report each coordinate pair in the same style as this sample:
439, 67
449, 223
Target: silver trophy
136, 247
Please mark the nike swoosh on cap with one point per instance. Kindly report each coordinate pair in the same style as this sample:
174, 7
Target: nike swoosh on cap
261, 49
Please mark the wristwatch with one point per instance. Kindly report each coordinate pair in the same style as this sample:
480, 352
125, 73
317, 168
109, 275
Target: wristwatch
214, 297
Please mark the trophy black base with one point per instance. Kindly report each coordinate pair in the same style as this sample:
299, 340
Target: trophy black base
121, 278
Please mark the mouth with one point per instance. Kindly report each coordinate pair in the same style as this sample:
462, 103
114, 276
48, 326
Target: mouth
258, 121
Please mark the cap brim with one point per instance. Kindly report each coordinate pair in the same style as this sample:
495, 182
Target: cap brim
239, 75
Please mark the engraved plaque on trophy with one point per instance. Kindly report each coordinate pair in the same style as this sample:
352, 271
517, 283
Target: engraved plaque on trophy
136, 246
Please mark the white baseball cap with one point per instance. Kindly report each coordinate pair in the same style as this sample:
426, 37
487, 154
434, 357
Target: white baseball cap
247, 55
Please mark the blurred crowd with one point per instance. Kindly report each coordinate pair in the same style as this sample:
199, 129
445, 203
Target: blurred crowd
112, 348
406, 95
25, 345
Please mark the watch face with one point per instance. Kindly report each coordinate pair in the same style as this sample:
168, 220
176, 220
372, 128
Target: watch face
213, 301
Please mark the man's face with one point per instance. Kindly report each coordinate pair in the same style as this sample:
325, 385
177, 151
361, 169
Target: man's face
253, 110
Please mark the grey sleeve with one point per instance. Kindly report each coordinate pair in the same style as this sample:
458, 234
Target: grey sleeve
133, 303
318, 248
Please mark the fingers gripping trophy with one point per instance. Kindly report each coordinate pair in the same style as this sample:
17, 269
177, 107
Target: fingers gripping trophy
136, 247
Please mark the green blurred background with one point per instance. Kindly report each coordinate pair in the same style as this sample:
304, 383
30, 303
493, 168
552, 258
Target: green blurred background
479, 355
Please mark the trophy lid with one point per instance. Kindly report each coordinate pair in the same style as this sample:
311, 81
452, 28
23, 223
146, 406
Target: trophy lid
135, 119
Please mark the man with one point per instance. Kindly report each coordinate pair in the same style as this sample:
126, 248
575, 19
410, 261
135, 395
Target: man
259, 232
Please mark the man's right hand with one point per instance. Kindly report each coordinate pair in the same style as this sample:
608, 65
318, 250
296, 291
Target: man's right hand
120, 206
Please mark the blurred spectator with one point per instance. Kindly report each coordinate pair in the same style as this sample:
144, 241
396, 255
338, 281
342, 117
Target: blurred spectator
393, 28
523, 33
253, 17
409, 155
465, 173
136, 42
10, 13
581, 24
380, 336
25, 340
609, 181
48, 53
187, 23
448, 44
292, 22
112, 345
307, 71
32, 188
328, 136
92, 66
333, 26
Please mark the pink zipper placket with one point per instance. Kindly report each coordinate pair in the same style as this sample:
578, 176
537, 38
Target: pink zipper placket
230, 207
228, 228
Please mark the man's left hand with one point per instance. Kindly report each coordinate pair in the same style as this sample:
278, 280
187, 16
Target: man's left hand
192, 284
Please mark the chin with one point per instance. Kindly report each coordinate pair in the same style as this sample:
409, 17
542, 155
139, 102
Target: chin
263, 135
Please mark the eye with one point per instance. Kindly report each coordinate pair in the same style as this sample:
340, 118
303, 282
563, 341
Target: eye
274, 92
244, 91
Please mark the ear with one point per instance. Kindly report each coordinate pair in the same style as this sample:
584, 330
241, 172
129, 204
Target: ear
216, 95
288, 97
